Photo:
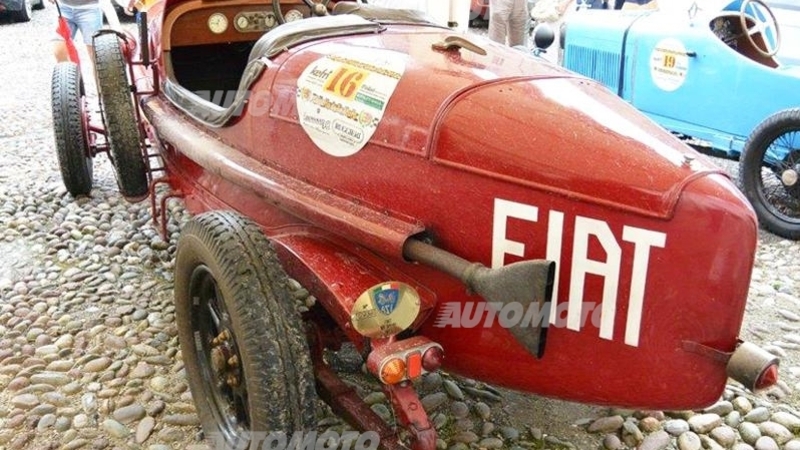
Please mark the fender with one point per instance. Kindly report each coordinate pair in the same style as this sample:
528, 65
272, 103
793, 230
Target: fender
337, 274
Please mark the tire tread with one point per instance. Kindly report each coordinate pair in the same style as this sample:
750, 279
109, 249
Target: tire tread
750, 169
270, 337
72, 150
120, 117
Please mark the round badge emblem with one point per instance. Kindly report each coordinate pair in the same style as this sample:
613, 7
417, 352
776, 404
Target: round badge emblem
385, 309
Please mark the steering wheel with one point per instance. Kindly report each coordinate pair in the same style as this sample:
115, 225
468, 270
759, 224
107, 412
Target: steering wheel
766, 24
318, 8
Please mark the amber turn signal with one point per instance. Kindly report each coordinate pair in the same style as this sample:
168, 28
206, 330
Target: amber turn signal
394, 371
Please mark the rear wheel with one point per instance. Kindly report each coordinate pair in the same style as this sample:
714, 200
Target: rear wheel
769, 171
120, 117
69, 127
245, 352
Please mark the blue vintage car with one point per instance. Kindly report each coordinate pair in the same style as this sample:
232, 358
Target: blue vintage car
713, 74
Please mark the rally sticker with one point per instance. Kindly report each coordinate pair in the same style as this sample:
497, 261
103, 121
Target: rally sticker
669, 64
341, 97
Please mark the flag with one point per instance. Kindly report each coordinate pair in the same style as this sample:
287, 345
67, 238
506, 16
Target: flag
64, 31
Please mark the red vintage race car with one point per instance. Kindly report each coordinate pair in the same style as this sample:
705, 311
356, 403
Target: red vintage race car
448, 202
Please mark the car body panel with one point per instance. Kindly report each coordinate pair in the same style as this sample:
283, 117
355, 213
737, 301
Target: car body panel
496, 158
474, 351
560, 227
479, 10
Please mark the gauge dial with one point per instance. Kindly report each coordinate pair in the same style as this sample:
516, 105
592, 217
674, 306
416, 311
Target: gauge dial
269, 20
217, 23
293, 15
242, 22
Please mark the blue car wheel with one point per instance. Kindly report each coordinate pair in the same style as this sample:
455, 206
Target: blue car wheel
769, 170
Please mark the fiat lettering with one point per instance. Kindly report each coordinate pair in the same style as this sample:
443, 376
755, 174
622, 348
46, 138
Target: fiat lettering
585, 229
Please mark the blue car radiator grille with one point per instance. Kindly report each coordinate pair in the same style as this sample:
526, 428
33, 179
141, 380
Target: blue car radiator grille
596, 64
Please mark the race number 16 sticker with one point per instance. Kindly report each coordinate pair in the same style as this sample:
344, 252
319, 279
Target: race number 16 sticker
669, 64
341, 98
345, 82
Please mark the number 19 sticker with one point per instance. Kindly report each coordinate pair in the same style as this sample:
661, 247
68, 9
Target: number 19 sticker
669, 64
341, 98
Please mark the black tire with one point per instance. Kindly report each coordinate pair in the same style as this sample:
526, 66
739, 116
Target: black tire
764, 178
24, 14
226, 268
69, 128
38, 5
119, 117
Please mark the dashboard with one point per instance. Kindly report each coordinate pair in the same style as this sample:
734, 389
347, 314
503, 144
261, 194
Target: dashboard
728, 29
218, 22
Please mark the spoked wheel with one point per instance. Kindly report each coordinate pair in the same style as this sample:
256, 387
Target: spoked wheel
119, 117
246, 355
70, 130
770, 170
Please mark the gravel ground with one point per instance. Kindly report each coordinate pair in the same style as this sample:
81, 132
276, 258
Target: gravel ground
88, 349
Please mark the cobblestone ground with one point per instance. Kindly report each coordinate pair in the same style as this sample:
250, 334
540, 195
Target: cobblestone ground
88, 349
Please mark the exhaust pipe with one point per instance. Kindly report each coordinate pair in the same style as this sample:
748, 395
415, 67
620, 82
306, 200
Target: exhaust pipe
753, 366
526, 282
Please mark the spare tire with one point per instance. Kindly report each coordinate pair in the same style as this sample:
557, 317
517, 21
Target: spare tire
69, 129
119, 116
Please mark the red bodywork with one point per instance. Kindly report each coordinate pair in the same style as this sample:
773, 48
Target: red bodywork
495, 158
479, 10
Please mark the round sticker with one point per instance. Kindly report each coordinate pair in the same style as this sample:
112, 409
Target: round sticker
669, 64
341, 98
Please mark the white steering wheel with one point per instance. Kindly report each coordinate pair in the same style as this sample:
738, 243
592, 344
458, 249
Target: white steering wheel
765, 23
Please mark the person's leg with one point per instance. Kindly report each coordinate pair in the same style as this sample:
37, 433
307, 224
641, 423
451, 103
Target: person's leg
60, 50
89, 21
518, 24
499, 11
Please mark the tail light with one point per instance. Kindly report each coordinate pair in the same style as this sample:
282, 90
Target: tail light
768, 377
432, 359
405, 360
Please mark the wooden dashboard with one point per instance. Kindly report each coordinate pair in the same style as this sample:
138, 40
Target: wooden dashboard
200, 22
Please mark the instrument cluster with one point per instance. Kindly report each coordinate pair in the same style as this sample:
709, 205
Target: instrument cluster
243, 22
